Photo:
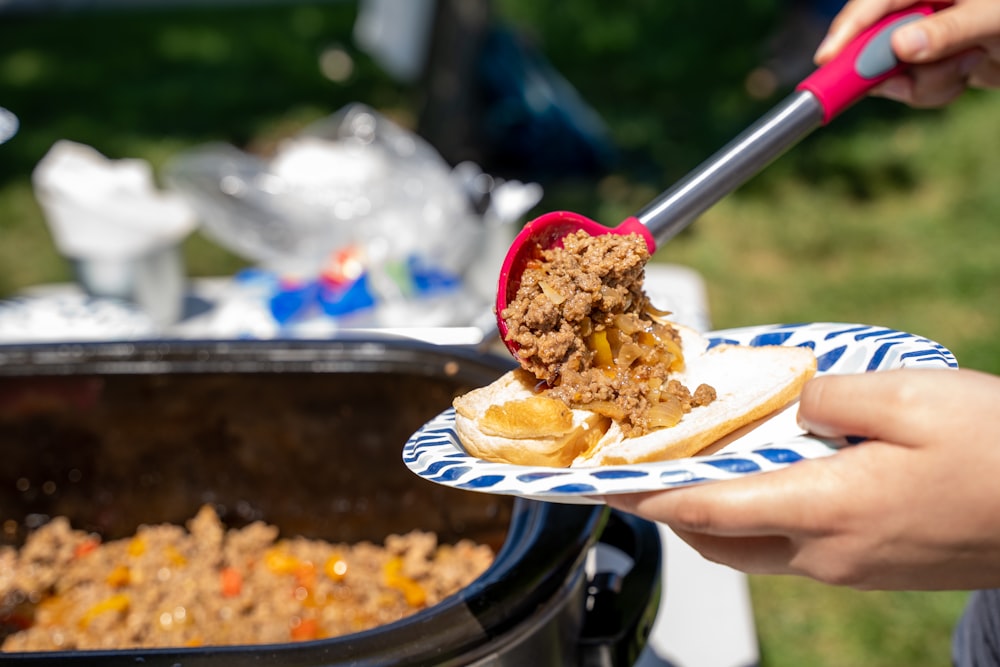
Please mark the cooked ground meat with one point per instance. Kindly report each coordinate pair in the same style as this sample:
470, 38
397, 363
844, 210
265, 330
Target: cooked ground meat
583, 284
207, 585
584, 326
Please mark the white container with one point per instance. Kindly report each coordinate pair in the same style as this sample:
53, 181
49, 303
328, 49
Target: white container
154, 281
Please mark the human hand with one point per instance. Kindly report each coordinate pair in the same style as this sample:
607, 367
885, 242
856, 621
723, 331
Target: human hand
917, 506
955, 48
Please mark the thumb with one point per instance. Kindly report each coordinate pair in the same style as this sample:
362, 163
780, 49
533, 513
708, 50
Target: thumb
946, 33
904, 406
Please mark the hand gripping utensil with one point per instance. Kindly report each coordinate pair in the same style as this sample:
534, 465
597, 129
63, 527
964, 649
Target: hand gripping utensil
866, 62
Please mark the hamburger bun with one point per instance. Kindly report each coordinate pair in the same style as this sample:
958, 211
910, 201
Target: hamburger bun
512, 422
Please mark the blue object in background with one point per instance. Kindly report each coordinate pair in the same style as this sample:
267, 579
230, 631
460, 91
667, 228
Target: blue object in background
335, 296
535, 121
291, 301
429, 280
347, 298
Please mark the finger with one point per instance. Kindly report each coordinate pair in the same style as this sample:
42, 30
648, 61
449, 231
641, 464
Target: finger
903, 406
934, 85
985, 75
898, 88
938, 84
855, 17
783, 502
753, 555
947, 32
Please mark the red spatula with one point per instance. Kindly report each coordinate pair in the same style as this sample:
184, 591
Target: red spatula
825, 93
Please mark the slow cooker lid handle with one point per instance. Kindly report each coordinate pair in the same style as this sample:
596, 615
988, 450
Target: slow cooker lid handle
621, 608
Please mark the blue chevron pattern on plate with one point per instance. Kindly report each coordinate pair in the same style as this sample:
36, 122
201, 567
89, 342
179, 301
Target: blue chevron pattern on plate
436, 454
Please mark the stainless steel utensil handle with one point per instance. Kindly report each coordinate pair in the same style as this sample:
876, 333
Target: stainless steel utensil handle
732, 165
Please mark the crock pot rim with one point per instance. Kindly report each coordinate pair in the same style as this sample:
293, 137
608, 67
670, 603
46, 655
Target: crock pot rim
237, 356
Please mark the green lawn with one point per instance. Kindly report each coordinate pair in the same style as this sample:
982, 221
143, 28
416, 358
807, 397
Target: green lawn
887, 217
913, 251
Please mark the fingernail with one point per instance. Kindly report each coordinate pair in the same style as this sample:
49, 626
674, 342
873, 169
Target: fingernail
911, 40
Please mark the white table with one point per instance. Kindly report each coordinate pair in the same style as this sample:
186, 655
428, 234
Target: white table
706, 617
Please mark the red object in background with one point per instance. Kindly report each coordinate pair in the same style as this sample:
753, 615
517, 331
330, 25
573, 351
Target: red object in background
344, 267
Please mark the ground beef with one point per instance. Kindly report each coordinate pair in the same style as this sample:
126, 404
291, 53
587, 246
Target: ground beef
584, 283
583, 326
167, 586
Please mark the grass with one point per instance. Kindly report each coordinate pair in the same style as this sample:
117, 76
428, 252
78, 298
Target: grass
915, 255
886, 217
805, 623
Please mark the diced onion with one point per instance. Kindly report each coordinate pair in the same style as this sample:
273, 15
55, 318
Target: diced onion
628, 353
655, 386
665, 413
657, 315
628, 325
616, 339
675, 350
551, 293
606, 408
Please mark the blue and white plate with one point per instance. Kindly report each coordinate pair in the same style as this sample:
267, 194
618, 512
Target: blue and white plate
436, 454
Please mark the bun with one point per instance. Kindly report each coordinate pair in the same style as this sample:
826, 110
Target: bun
557, 449
750, 383
509, 421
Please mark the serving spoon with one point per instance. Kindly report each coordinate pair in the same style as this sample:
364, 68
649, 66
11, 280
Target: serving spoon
866, 62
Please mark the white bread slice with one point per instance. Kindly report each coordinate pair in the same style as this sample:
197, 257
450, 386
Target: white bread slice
750, 383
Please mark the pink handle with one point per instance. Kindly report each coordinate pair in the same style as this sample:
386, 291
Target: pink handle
863, 64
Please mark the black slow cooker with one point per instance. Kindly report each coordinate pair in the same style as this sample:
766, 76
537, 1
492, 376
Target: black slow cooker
308, 436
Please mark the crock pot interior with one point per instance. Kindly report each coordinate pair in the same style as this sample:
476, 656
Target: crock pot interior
316, 453
305, 436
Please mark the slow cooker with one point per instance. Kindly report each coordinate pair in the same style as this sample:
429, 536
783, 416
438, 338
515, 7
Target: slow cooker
307, 436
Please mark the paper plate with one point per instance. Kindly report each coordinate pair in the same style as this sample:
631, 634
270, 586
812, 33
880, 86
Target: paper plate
436, 454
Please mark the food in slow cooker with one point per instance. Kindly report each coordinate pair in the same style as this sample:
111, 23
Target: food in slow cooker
209, 585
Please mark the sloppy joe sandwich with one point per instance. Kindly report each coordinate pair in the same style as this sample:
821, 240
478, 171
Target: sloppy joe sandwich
606, 378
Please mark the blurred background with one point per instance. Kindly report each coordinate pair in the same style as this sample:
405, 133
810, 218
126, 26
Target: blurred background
888, 216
